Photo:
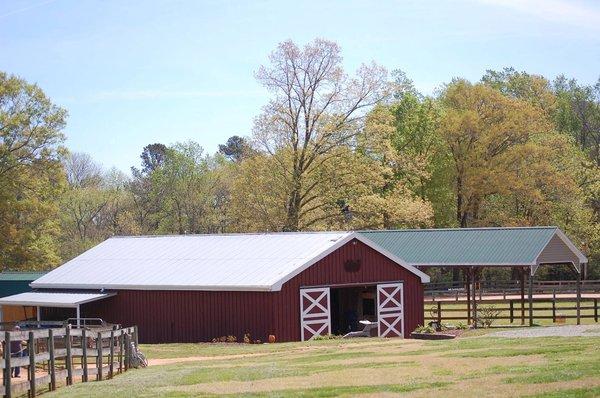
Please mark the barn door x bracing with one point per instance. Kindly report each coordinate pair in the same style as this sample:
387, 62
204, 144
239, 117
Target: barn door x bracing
390, 310
315, 314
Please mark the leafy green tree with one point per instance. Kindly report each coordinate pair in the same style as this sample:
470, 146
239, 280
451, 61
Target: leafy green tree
31, 177
485, 131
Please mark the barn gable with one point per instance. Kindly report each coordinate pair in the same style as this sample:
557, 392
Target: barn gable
339, 269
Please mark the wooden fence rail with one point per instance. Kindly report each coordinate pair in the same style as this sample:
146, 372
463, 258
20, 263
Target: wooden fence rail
59, 355
503, 288
513, 310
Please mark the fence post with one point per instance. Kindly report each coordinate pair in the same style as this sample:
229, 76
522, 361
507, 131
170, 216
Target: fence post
511, 311
84, 362
7, 369
51, 365
596, 309
111, 353
99, 358
69, 355
31, 370
135, 336
127, 348
439, 314
121, 351
554, 310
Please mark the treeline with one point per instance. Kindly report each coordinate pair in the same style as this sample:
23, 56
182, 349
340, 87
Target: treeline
329, 151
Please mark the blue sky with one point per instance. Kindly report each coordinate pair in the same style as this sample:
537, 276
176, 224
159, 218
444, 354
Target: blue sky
134, 73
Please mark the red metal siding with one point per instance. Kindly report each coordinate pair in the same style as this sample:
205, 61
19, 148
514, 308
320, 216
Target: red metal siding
192, 316
374, 268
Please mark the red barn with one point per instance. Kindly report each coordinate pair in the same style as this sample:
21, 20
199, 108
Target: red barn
198, 287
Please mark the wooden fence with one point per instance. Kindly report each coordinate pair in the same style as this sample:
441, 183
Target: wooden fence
513, 310
59, 355
503, 288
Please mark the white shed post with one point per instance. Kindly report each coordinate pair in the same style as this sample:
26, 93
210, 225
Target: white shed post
78, 314
39, 315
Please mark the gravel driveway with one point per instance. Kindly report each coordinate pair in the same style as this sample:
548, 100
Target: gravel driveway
561, 331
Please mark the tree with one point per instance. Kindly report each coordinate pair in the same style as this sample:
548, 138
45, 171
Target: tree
236, 149
484, 131
153, 157
426, 164
145, 204
186, 190
31, 177
81, 170
315, 109
534, 89
388, 199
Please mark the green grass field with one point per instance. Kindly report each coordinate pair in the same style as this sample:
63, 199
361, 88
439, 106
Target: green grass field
474, 366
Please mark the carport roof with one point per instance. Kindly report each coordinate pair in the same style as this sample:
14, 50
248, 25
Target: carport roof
519, 246
53, 299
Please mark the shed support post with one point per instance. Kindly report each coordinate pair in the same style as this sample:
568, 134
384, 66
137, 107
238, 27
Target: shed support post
579, 297
39, 315
522, 283
474, 289
530, 296
78, 315
468, 277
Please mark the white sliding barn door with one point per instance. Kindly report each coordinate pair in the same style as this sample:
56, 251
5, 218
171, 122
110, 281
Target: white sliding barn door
390, 310
315, 313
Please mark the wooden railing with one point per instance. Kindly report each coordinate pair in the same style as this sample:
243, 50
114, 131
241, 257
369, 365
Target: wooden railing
513, 310
57, 356
504, 288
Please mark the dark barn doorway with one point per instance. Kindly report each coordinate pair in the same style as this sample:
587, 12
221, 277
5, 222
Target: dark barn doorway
349, 305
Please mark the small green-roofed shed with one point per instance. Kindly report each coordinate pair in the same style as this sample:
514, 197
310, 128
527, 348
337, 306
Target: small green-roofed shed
13, 282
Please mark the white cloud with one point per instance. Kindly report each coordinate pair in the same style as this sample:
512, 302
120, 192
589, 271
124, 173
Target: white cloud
23, 9
572, 12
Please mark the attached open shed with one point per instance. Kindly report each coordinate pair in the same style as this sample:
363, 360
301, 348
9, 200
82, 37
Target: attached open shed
199, 287
471, 249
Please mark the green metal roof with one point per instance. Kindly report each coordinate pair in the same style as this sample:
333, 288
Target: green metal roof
465, 246
20, 276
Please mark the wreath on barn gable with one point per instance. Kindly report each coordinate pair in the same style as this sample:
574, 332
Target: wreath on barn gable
352, 265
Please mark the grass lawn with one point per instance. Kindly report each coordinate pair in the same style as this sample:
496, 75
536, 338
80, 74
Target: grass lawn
474, 366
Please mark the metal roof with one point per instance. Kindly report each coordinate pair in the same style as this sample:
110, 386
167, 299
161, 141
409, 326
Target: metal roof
51, 299
470, 246
20, 276
261, 262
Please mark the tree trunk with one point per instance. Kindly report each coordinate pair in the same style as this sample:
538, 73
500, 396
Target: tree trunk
293, 206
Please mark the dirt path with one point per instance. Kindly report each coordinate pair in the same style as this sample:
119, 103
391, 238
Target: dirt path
167, 361
552, 331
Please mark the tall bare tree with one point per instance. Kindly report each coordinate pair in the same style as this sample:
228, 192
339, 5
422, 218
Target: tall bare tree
316, 107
